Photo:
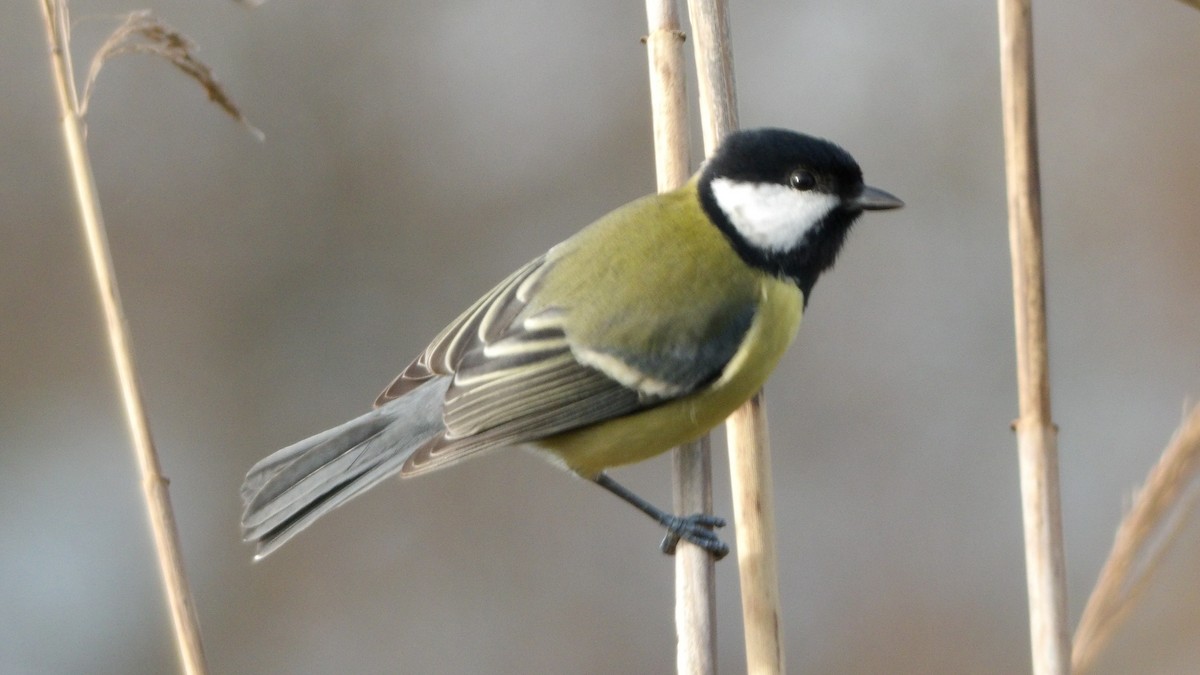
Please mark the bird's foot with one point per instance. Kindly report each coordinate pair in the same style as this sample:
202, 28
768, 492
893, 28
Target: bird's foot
697, 529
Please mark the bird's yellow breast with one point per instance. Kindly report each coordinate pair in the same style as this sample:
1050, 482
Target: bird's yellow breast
642, 435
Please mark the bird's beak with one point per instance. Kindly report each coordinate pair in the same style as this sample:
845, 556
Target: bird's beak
874, 199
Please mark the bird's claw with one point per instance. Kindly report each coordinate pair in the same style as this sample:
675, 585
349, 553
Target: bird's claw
697, 529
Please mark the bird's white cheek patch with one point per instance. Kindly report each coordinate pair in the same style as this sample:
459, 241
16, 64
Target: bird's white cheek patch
772, 217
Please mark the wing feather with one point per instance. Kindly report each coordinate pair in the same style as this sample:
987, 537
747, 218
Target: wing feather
469, 329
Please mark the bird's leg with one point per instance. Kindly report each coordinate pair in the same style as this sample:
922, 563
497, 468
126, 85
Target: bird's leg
696, 528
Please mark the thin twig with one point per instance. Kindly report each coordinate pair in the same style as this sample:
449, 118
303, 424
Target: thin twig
695, 573
1036, 433
695, 579
154, 485
754, 511
746, 430
1145, 534
714, 66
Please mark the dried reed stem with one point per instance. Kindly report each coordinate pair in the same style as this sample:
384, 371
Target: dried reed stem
695, 581
1036, 433
714, 66
695, 575
746, 429
1160, 509
154, 485
754, 511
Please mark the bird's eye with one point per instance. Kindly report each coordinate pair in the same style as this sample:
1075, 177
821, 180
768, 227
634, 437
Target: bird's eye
802, 179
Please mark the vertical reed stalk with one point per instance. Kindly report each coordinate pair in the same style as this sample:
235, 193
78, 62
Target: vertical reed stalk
695, 581
1036, 432
154, 485
695, 573
746, 429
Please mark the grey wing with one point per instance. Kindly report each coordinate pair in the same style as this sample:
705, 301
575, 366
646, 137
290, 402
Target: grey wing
474, 325
517, 377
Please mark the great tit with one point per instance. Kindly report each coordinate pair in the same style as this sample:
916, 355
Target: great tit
639, 333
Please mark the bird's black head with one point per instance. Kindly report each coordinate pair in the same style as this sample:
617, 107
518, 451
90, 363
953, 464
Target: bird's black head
785, 200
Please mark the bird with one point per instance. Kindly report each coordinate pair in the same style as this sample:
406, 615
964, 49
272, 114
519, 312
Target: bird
640, 332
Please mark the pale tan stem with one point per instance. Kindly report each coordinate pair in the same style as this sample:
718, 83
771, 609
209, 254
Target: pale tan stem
754, 512
1036, 432
695, 580
154, 485
746, 429
714, 66
695, 576
668, 94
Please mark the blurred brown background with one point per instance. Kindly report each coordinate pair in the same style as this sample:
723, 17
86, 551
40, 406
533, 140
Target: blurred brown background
416, 152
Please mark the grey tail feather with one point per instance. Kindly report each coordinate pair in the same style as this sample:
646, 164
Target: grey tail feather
287, 491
